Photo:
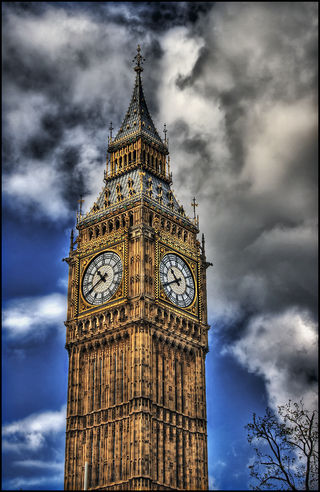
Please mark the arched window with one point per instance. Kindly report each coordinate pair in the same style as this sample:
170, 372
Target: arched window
150, 219
131, 219
110, 226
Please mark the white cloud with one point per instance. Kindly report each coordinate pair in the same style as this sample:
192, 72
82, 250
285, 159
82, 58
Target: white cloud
20, 483
37, 185
51, 465
53, 34
30, 433
34, 315
282, 348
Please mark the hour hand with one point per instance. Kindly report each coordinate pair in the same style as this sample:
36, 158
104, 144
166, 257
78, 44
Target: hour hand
176, 280
103, 277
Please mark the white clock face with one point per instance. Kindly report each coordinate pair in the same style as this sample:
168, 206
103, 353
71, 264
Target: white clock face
177, 280
102, 278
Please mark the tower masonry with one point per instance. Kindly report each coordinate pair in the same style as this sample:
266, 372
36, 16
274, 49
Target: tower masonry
136, 329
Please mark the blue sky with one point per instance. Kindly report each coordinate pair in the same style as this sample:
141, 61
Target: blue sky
236, 85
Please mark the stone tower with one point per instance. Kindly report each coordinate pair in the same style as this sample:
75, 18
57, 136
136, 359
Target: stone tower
136, 329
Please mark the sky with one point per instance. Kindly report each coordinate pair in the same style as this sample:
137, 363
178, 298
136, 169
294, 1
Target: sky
236, 85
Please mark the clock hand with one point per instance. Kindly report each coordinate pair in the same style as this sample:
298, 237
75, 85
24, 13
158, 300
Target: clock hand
173, 273
102, 278
176, 280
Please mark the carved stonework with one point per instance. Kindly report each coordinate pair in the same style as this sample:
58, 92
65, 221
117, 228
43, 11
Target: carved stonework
136, 414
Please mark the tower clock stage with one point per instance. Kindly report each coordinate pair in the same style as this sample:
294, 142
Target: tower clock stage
136, 329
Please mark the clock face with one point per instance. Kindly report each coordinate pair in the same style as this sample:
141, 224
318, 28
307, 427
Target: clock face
102, 278
177, 280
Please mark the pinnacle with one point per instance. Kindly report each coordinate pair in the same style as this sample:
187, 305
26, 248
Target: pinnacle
138, 119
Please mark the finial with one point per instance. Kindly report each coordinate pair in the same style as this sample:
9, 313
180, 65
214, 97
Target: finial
194, 205
80, 205
110, 128
141, 180
71, 240
165, 133
139, 58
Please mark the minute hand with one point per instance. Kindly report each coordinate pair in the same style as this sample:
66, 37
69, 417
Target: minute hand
102, 278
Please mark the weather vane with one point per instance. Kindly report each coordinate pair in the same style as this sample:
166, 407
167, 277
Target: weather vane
139, 59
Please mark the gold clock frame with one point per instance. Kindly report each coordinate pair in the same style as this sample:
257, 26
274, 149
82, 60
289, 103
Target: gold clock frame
120, 296
193, 264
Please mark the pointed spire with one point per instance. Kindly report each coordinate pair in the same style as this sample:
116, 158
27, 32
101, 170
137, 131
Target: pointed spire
137, 118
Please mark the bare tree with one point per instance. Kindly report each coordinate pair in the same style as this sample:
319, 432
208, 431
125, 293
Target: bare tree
286, 448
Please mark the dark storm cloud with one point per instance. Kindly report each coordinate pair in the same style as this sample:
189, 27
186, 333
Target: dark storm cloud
236, 85
148, 16
245, 143
51, 52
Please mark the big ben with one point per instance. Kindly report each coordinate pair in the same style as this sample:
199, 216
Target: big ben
136, 329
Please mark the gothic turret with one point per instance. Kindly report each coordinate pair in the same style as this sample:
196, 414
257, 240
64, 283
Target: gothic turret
138, 163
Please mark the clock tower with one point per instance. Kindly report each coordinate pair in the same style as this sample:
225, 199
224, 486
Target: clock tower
136, 329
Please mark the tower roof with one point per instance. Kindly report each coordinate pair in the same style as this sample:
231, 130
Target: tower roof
137, 121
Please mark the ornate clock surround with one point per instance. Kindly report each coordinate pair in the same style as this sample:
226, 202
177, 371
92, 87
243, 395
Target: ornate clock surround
120, 296
162, 249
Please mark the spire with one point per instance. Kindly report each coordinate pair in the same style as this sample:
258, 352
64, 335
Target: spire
137, 119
